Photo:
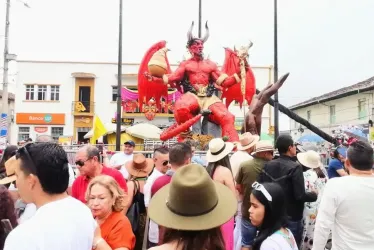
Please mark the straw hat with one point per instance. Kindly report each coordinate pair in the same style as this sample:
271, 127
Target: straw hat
10, 167
310, 159
218, 149
139, 166
263, 146
192, 201
247, 140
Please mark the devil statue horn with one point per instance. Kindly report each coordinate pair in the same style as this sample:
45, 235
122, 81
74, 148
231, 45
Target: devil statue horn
189, 33
206, 36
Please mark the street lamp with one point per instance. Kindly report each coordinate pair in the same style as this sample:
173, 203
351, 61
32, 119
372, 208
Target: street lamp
276, 102
7, 58
119, 83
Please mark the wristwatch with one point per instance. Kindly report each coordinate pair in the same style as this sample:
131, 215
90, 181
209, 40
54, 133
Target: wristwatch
95, 244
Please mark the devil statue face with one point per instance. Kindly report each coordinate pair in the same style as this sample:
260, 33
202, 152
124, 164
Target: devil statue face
196, 47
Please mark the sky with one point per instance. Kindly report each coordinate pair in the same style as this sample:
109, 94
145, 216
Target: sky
325, 45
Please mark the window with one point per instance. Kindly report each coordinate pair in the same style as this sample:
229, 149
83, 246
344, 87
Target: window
362, 109
23, 133
309, 115
114, 93
42, 90
55, 93
57, 132
29, 92
332, 114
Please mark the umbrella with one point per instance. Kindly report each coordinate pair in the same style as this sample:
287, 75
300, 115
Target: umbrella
311, 138
144, 131
355, 132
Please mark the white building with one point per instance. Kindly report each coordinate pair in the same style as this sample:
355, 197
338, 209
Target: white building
49, 97
352, 105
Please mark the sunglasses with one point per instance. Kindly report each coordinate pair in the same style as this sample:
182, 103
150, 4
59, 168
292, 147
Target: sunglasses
23, 150
81, 163
165, 163
259, 187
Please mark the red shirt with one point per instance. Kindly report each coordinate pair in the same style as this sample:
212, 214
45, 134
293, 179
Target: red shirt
78, 190
159, 183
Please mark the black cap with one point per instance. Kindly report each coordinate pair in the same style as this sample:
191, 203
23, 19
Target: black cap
130, 142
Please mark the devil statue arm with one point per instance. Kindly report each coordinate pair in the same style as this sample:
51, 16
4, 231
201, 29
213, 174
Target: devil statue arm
223, 79
172, 79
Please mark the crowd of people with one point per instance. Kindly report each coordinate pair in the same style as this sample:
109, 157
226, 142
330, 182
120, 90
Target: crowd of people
239, 197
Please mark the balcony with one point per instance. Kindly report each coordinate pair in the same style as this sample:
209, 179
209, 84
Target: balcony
83, 108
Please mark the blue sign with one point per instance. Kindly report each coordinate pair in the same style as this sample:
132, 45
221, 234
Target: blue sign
3, 125
48, 118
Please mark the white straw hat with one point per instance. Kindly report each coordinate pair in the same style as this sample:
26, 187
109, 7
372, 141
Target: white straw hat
247, 140
310, 159
218, 149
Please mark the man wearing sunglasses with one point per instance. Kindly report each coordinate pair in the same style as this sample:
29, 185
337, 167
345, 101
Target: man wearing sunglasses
61, 222
161, 165
87, 160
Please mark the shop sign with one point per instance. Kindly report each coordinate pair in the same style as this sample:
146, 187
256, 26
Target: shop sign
41, 129
83, 119
40, 118
125, 121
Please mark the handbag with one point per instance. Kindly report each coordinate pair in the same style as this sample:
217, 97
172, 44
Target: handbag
133, 214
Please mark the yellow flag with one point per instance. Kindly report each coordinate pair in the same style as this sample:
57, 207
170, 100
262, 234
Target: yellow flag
98, 130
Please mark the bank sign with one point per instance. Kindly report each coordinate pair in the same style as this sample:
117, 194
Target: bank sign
40, 118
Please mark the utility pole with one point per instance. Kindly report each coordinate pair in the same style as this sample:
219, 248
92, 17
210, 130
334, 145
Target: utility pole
276, 102
200, 17
119, 85
6, 61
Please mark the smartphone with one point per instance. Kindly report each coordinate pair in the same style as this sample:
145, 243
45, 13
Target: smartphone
6, 225
101, 148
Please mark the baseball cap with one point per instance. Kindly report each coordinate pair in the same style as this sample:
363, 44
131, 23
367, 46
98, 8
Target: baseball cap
130, 142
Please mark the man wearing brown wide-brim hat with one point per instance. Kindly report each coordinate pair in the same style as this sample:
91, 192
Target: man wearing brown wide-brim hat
245, 147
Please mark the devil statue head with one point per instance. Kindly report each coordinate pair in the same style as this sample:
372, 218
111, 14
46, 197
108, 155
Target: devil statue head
195, 45
242, 52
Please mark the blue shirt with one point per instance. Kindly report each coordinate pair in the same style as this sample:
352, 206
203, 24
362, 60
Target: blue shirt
334, 165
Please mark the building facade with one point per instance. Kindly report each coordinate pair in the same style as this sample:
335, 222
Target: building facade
61, 98
352, 105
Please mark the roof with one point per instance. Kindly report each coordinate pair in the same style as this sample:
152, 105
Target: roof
11, 96
363, 86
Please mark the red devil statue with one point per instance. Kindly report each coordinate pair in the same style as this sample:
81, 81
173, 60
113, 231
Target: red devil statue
200, 78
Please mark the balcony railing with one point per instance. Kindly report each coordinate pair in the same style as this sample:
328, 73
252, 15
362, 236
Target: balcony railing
83, 107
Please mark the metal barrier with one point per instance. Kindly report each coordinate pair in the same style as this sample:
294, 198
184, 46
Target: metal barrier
149, 154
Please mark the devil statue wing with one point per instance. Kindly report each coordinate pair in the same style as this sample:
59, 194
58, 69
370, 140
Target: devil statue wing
151, 89
231, 66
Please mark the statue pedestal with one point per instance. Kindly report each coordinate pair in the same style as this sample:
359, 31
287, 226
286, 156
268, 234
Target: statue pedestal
206, 127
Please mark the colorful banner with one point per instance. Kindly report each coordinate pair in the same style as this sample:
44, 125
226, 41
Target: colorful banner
131, 95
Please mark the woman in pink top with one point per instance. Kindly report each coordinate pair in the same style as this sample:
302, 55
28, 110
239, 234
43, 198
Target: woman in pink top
219, 169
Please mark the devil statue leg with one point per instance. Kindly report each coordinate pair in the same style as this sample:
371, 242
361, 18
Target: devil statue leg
186, 113
221, 116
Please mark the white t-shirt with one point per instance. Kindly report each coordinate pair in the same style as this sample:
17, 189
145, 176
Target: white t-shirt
346, 208
236, 159
278, 241
153, 227
65, 224
30, 211
120, 159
